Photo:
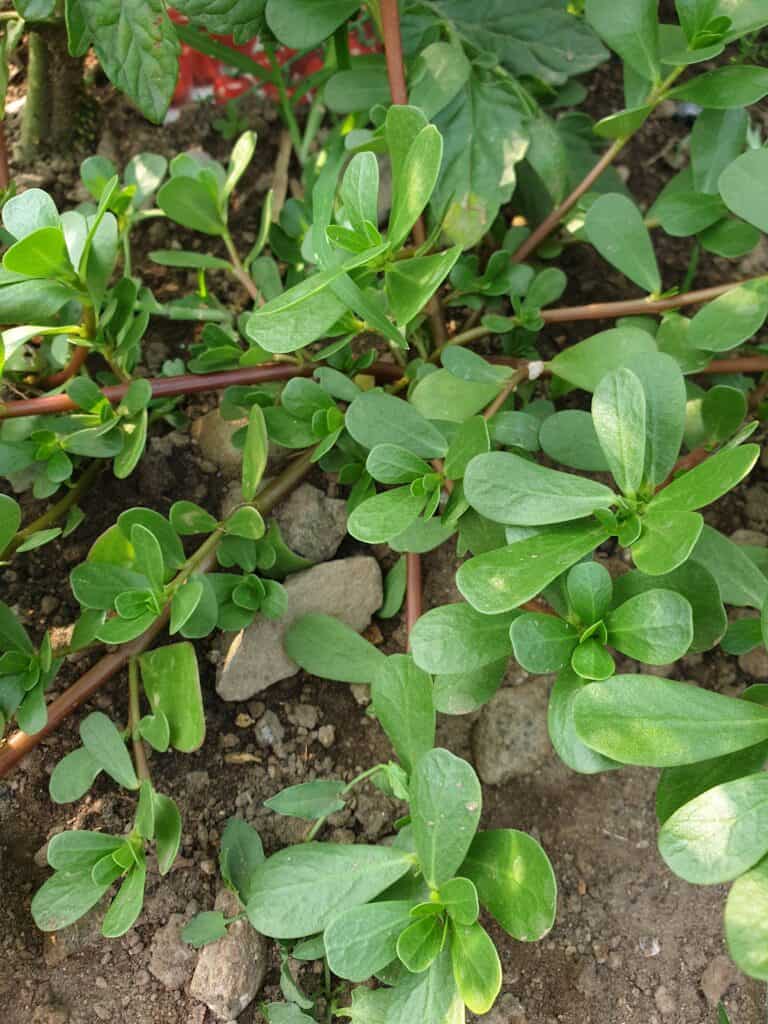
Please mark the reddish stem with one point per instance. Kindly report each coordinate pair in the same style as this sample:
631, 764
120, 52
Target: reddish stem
413, 594
636, 307
184, 384
393, 51
5, 174
77, 359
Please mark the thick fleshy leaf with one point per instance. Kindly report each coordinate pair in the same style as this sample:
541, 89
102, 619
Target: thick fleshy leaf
64, 898
106, 746
705, 483
308, 800
740, 581
446, 800
240, 854
665, 397
631, 30
172, 684
329, 649
361, 941
542, 643
589, 589
73, 776
377, 418
654, 627
455, 638
644, 720
385, 515
742, 186
717, 140
725, 88
615, 227
618, 414
562, 729
667, 540
402, 702
746, 922
586, 363
732, 318
476, 966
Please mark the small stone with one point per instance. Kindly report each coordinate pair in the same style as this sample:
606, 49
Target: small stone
507, 1010
665, 1001
83, 934
510, 738
362, 693
214, 437
269, 730
243, 721
312, 524
230, 972
717, 978
754, 537
171, 960
349, 589
49, 604
326, 736
757, 504
304, 715
755, 663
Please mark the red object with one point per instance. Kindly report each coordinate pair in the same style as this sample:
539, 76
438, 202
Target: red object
198, 71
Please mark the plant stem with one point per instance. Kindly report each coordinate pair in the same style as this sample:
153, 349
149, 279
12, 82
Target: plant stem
315, 828
134, 716
286, 109
60, 509
239, 270
75, 363
517, 378
341, 47
19, 744
5, 174
393, 50
413, 592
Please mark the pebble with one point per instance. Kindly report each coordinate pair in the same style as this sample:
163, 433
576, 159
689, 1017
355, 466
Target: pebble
510, 738
326, 736
312, 524
350, 589
230, 972
171, 960
214, 438
717, 978
755, 663
304, 715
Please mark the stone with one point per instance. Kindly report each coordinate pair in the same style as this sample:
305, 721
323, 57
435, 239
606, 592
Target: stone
754, 537
312, 524
665, 1001
508, 1010
326, 736
350, 589
269, 730
171, 960
303, 715
510, 738
756, 508
214, 438
717, 978
230, 972
755, 663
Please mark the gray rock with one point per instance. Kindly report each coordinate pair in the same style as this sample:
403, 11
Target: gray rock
304, 715
269, 730
757, 505
312, 524
171, 961
230, 972
510, 738
755, 537
349, 589
214, 437
717, 978
507, 1010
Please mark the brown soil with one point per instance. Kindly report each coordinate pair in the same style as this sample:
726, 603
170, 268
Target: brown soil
631, 944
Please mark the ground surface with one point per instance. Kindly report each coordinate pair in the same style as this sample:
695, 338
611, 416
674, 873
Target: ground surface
631, 945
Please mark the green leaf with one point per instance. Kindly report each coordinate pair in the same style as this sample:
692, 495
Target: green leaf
79, 850
590, 660
298, 891
64, 898
460, 899
731, 319
615, 227
309, 800
126, 906
569, 437
329, 649
455, 638
515, 882
720, 834
509, 489
41, 254
664, 388
420, 943
632, 31
731, 239
240, 854
255, 452
459, 693
746, 922
657, 722
742, 186
688, 213
562, 729
188, 260
411, 283
446, 800
624, 123
618, 413
106, 746
443, 396
144, 822
240, 158
171, 682
376, 418
362, 941
386, 515
705, 483
146, 72
586, 363
512, 429
10, 520
740, 581
655, 627
476, 966
359, 189
436, 76
696, 585
484, 138
185, 601
302, 24
589, 588
167, 832
431, 996
717, 140
73, 776
667, 540
498, 581
29, 211
470, 439
173, 552
390, 464
725, 88
191, 203
420, 170
148, 556
402, 702
542, 643
206, 927
245, 522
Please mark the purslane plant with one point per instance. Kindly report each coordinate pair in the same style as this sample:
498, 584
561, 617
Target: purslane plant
451, 445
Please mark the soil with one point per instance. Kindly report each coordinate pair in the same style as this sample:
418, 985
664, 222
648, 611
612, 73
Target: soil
631, 945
